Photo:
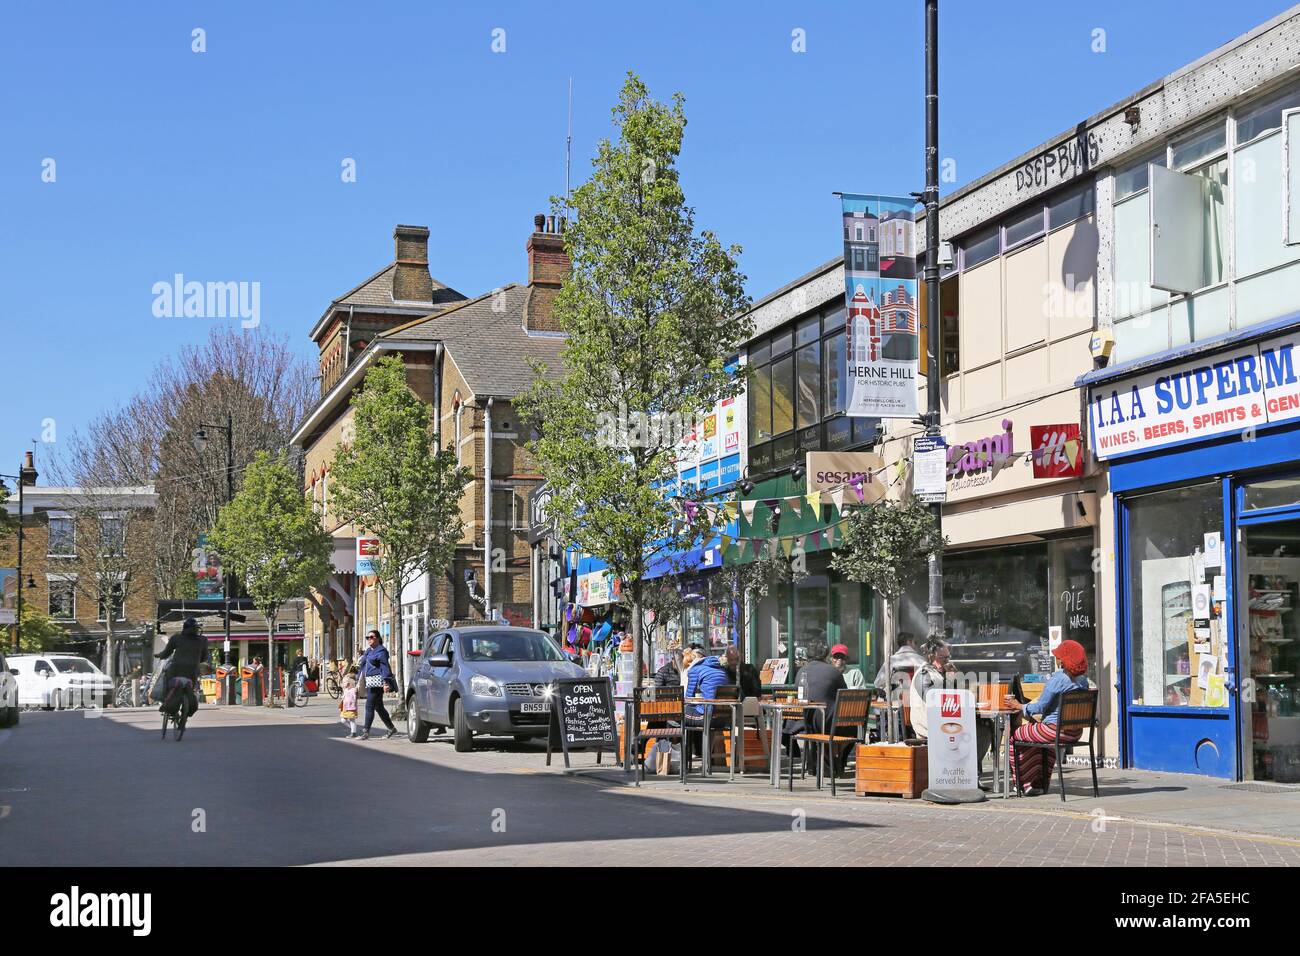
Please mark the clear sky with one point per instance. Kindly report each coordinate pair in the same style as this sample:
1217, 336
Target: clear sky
226, 165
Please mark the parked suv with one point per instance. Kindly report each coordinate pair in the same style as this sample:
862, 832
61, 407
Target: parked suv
490, 679
8, 694
60, 680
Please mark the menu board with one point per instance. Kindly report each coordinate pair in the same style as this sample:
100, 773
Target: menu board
582, 716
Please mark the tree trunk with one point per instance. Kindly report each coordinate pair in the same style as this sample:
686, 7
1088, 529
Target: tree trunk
397, 641
111, 664
638, 644
270, 657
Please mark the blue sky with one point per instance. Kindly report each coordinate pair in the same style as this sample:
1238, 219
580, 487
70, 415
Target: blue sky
225, 165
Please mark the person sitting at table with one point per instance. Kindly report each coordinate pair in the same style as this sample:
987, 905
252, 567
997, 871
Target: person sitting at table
703, 679
747, 678
670, 675
906, 658
817, 682
1031, 767
689, 656
853, 678
939, 671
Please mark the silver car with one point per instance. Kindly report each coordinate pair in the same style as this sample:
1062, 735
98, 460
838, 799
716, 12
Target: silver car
490, 679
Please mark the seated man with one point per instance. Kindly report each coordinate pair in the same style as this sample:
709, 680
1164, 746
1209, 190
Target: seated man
818, 681
703, 679
853, 678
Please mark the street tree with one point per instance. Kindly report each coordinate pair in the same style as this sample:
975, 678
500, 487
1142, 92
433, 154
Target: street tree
40, 632
392, 480
887, 545
653, 313
272, 537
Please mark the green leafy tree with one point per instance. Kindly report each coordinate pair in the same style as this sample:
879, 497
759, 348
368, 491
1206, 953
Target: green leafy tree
887, 545
393, 480
272, 537
653, 311
8, 522
39, 632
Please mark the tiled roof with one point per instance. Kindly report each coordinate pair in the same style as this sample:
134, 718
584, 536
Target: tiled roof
378, 291
487, 341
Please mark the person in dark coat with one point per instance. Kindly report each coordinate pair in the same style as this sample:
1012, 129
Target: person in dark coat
374, 664
185, 649
670, 675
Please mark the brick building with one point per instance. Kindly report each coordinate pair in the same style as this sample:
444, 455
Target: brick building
84, 548
469, 359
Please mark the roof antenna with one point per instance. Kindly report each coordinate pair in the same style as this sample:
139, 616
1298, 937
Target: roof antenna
568, 149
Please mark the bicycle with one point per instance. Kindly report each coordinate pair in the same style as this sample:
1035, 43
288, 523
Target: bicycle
334, 678
124, 698
182, 716
296, 693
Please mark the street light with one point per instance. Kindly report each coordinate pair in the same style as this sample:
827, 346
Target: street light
200, 446
18, 621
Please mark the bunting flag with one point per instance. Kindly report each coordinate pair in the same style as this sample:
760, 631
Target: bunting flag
732, 509
747, 508
817, 540
837, 499
857, 490
1072, 450
787, 545
796, 505
712, 511
772, 503
691, 510
815, 503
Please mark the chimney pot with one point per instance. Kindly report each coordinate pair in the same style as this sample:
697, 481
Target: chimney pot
539, 223
411, 281
27, 475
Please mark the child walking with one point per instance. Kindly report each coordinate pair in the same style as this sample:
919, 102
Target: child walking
348, 705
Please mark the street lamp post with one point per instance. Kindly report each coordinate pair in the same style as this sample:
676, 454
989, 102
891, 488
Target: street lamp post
18, 621
200, 444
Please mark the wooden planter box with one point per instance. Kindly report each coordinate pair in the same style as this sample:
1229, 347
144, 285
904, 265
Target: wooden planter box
897, 770
755, 755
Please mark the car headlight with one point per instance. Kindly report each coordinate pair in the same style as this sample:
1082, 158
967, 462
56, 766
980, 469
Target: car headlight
484, 686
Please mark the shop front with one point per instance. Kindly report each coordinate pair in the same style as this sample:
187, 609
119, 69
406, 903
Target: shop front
1203, 448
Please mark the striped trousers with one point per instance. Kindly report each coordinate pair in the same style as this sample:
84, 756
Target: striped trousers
1033, 766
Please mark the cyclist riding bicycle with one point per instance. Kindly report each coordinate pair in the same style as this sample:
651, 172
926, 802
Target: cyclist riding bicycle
186, 650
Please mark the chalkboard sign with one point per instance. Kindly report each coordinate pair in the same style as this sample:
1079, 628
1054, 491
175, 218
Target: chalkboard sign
582, 716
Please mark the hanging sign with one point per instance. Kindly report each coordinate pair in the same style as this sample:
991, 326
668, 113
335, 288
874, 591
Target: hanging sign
930, 468
881, 336
367, 551
207, 572
1057, 450
828, 470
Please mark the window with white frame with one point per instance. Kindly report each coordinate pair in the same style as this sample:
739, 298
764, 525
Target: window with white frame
112, 535
63, 537
63, 598
116, 593
1201, 230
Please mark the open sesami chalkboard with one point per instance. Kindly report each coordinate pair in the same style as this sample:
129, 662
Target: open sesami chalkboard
582, 716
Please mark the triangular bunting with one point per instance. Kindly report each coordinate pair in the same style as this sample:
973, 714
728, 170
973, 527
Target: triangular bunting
747, 508
726, 543
857, 490
712, 511
816, 540
796, 504
787, 545
1072, 450
732, 508
837, 499
815, 503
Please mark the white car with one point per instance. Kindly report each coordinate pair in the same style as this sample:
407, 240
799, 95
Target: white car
60, 680
8, 694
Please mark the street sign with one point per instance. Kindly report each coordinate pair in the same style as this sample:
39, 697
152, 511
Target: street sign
930, 468
582, 716
367, 551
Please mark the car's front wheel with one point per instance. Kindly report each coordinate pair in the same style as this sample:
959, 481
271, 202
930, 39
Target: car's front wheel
417, 730
460, 724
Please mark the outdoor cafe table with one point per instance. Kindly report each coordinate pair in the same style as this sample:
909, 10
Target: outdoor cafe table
1001, 721
778, 710
737, 742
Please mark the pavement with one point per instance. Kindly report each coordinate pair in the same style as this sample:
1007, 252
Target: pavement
256, 786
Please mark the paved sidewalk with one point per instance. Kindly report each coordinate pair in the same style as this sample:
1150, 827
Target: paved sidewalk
1175, 800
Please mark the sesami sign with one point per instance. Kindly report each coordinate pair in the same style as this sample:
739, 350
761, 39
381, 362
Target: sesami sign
1215, 395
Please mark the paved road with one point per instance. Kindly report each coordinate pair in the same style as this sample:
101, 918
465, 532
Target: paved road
251, 787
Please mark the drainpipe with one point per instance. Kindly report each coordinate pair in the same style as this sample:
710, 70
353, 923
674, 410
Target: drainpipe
487, 509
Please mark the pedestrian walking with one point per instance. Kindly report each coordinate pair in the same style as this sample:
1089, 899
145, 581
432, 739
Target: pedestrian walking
376, 675
348, 705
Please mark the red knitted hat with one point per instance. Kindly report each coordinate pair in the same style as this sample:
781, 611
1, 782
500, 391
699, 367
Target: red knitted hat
1072, 657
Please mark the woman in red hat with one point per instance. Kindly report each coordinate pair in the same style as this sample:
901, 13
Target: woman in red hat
1031, 767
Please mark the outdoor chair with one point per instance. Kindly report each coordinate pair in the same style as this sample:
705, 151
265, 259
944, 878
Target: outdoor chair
851, 710
666, 709
1078, 711
724, 692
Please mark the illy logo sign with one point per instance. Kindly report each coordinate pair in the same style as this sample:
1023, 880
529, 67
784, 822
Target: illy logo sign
950, 706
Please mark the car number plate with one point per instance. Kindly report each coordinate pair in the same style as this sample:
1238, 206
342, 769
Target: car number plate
541, 708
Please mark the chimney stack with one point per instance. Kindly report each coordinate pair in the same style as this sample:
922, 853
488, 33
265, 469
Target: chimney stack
27, 474
411, 280
548, 267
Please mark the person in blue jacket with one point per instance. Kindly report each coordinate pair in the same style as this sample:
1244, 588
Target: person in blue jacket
374, 664
703, 680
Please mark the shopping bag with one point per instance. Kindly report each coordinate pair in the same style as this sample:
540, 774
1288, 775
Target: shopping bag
158, 689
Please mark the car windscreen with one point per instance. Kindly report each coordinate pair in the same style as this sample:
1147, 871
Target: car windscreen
509, 646
74, 665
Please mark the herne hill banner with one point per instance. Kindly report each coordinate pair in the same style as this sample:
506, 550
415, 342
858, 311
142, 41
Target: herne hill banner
881, 331
1219, 394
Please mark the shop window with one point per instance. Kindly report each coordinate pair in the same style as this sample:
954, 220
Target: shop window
1134, 179
807, 331
1024, 227
834, 365
1189, 227
1166, 569
808, 383
1070, 207
1266, 117
760, 404
980, 248
1276, 493
1258, 234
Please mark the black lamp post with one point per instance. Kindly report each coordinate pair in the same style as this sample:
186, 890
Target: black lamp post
200, 445
18, 621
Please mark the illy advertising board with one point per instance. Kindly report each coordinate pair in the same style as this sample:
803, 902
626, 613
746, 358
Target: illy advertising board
1216, 395
951, 714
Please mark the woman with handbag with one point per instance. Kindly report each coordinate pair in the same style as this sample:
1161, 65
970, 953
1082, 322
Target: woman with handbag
375, 676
